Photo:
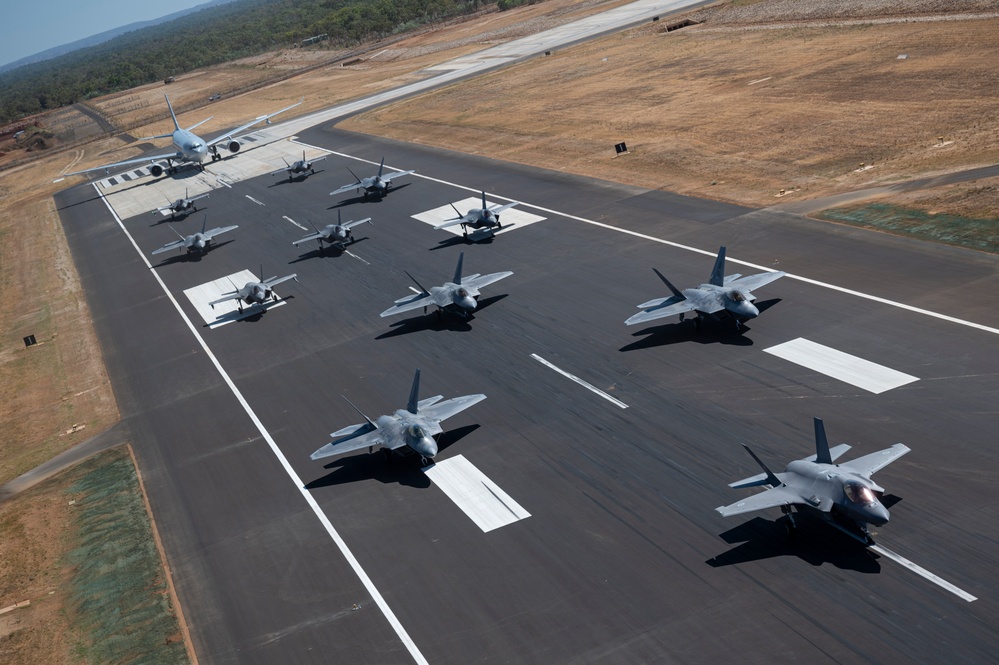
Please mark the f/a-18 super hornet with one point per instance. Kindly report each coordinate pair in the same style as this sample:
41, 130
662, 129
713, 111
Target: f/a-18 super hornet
189, 148
304, 167
197, 243
184, 205
842, 493
338, 234
458, 295
377, 184
723, 294
486, 217
255, 293
406, 431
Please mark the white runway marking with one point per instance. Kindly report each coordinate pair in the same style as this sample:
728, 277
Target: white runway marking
356, 257
254, 200
919, 570
223, 183
510, 218
225, 312
362, 575
578, 380
294, 222
477, 496
851, 369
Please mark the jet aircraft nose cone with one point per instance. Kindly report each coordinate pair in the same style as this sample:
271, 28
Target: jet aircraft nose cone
467, 303
427, 447
877, 514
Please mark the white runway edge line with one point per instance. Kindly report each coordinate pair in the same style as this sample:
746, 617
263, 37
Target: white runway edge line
729, 259
856, 371
919, 570
376, 595
573, 377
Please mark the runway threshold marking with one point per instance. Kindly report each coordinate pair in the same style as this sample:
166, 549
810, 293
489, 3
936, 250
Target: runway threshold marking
919, 570
729, 259
478, 497
839, 365
573, 377
362, 575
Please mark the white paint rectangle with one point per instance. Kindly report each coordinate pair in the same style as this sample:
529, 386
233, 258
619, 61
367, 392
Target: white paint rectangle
478, 497
856, 371
511, 218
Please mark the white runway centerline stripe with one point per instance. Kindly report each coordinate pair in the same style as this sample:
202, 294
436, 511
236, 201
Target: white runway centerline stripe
477, 496
919, 570
851, 369
573, 377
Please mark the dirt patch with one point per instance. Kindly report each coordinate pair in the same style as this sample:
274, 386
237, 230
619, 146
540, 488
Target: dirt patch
738, 113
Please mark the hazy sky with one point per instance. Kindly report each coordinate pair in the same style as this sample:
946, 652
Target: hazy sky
35, 25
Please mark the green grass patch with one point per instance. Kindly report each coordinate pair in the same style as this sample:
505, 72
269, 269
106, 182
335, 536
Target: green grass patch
980, 234
119, 592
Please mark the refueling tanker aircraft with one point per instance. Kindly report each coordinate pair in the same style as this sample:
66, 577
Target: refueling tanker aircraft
197, 243
189, 148
459, 295
843, 494
406, 431
726, 294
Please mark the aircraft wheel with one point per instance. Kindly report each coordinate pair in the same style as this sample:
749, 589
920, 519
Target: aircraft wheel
790, 529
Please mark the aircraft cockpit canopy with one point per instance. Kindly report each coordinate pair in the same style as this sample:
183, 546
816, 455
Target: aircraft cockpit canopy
462, 293
859, 493
417, 432
738, 296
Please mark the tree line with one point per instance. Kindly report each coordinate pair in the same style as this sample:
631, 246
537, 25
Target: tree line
209, 37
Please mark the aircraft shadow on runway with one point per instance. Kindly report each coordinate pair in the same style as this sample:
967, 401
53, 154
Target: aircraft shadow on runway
191, 257
448, 321
472, 239
250, 313
722, 331
301, 177
361, 198
374, 466
329, 252
815, 543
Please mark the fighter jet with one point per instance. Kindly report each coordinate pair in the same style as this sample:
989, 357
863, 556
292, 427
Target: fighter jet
486, 217
406, 431
185, 205
843, 493
335, 234
731, 294
255, 293
376, 184
198, 243
299, 167
189, 148
459, 295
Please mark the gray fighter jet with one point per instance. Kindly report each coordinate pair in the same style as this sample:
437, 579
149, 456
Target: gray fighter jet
486, 217
458, 295
842, 493
198, 243
335, 234
408, 430
731, 294
299, 167
185, 205
255, 293
377, 184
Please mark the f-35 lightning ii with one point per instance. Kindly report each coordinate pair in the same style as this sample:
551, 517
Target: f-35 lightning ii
406, 431
731, 294
302, 166
377, 184
198, 243
185, 205
459, 295
255, 293
486, 217
335, 234
843, 493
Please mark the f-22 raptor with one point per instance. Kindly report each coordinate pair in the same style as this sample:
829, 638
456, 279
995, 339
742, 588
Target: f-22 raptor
408, 430
459, 295
842, 493
730, 294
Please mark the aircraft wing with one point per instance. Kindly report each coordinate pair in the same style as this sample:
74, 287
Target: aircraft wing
311, 236
478, 281
200, 196
274, 281
137, 160
283, 169
444, 410
226, 298
170, 245
662, 311
348, 439
211, 233
318, 159
259, 120
346, 188
754, 282
396, 174
497, 210
451, 222
410, 303
777, 496
352, 224
868, 464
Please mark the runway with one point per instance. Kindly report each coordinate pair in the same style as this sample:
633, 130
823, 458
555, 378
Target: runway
622, 558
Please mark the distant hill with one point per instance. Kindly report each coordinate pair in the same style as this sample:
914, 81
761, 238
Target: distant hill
102, 37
